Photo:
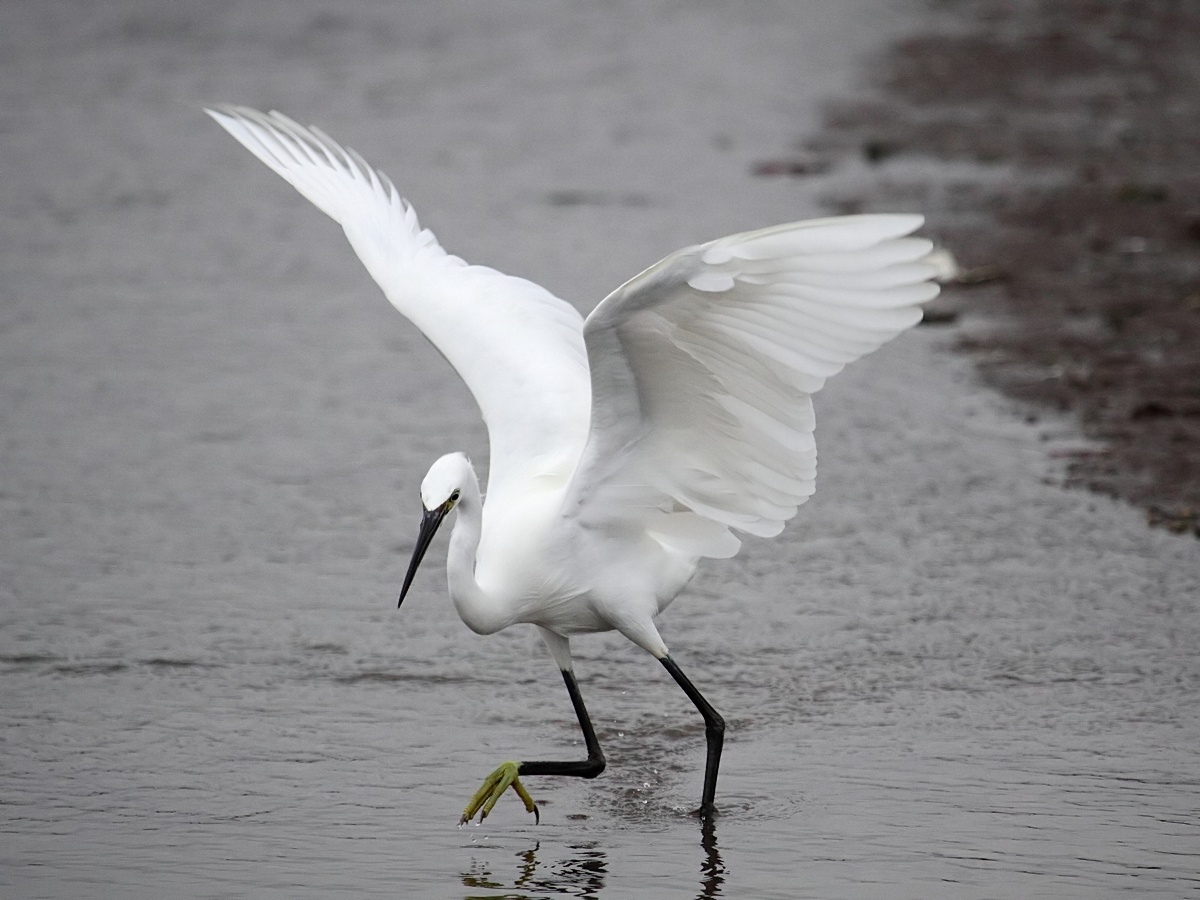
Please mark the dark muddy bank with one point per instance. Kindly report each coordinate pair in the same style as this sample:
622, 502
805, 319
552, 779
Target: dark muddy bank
1054, 145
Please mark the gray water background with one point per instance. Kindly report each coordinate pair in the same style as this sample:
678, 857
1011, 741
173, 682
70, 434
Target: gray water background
948, 678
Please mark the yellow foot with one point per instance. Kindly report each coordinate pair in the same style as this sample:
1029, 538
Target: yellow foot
493, 788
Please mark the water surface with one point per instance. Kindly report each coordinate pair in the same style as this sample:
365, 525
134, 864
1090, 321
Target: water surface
948, 678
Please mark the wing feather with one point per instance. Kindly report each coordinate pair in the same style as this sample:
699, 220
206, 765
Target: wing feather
703, 370
519, 348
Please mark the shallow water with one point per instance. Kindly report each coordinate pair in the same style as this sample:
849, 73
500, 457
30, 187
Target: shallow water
948, 678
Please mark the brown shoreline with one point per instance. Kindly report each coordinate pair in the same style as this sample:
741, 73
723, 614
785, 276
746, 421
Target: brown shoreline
1076, 217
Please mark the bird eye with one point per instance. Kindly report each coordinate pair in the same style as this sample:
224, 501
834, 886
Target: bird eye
454, 496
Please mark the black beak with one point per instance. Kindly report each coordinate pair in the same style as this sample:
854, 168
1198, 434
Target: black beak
429, 526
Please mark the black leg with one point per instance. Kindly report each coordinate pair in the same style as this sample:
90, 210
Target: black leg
714, 733
508, 775
588, 768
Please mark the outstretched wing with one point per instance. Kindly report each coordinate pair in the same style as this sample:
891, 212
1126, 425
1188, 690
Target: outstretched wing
704, 367
518, 347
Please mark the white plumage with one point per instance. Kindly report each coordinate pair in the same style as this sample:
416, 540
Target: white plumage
627, 446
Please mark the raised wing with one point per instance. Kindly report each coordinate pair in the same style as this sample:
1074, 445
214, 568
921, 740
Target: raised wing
704, 366
518, 347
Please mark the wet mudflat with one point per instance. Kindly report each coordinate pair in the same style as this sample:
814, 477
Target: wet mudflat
948, 678
1053, 145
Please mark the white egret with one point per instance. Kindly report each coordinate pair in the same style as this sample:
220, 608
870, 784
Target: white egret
627, 446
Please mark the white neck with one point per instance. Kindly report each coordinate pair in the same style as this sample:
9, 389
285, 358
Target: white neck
475, 607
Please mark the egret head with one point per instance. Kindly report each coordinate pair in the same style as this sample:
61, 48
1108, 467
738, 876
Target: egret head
440, 493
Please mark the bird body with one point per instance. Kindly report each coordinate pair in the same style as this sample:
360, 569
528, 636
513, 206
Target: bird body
627, 447
540, 567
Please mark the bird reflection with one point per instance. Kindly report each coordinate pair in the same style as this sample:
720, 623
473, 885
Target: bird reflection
712, 869
583, 873
580, 875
